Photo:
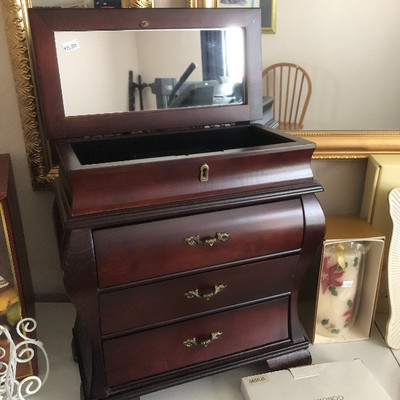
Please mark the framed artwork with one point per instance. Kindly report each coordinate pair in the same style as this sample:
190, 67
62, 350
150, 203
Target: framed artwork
268, 16
268, 11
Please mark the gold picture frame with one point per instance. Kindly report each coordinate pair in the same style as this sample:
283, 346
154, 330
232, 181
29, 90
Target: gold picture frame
330, 144
137, 3
268, 16
203, 3
268, 9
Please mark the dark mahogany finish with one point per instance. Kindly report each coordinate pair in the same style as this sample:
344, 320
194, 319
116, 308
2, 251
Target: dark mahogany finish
160, 301
161, 350
279, 160
263, 228
243, 284
125, 331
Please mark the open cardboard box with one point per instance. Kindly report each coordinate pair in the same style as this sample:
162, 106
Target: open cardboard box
344, 229
341, 380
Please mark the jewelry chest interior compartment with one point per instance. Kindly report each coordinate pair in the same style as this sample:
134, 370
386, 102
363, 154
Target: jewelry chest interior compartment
184, 228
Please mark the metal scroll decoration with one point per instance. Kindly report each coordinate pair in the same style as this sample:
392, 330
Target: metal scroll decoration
195, 239
19, 353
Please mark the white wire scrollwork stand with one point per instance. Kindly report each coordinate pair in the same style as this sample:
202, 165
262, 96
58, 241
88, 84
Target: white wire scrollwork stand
393, 325
20, 353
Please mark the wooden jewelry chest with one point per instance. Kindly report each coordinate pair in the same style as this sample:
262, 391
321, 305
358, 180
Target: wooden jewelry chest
182, 242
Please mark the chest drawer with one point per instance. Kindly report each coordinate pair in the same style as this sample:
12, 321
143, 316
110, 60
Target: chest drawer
137, 252
177, 298
195, 341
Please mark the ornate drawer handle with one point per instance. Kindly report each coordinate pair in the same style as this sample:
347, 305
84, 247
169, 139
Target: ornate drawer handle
204, 343
195, 239
207, 296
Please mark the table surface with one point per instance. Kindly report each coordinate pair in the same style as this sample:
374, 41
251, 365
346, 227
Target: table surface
55, 322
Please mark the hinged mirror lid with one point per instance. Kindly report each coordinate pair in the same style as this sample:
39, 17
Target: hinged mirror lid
111, 71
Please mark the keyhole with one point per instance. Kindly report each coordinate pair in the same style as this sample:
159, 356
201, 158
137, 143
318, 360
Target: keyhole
204, 171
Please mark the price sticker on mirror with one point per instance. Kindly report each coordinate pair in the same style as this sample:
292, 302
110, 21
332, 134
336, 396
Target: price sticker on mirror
70, 45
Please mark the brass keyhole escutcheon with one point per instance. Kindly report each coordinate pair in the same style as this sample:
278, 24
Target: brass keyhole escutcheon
204, 173
144, 24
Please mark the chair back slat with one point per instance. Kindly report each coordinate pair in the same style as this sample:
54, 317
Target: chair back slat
293, 97
273, 91
299, 100
280, 93
287, 92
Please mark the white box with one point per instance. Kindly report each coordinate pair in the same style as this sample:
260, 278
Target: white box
344, 229
342, 380
382, 175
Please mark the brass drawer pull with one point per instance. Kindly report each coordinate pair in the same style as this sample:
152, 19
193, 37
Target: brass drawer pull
207, 296
204, 343
195, 239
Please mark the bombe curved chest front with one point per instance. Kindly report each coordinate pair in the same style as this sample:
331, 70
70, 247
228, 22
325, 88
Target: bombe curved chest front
184, 229
189, 277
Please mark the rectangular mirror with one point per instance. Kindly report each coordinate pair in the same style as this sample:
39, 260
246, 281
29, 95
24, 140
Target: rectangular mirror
103, 72
120, 71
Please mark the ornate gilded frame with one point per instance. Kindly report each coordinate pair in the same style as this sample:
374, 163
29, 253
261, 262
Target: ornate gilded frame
330, 144
18, 37
351, 144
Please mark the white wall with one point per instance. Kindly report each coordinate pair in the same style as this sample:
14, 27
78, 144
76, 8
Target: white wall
159, 60
351, 50
343, 179
94, 76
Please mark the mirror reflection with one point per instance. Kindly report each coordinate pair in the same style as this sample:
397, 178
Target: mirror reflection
118, 71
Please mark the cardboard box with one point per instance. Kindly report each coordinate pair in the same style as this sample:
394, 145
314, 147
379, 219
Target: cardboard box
343, 380
382, 175
355, 296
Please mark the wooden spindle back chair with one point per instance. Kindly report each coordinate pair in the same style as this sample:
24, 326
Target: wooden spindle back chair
291, 88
